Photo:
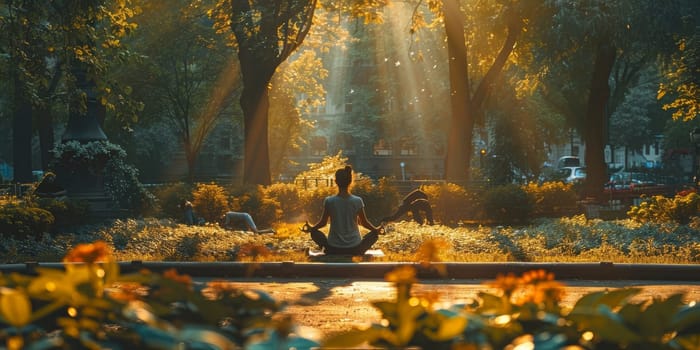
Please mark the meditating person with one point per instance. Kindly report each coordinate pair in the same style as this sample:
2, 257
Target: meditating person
345, 210
415, 202
234, 217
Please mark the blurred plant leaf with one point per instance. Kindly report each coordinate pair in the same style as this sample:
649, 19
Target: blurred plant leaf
15, 307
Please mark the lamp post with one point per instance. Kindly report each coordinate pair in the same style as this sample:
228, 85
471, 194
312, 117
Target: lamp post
403, 171
482, 154
695, 140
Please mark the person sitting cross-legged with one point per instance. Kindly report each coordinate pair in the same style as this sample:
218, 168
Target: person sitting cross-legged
344, 210
234, 217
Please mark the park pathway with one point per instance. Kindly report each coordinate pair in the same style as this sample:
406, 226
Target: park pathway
322, 306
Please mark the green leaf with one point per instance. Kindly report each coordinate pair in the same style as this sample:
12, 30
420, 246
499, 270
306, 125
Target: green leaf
491, 303
15, 307
449, 328
353, 338
657, 317
155, 338
547, 341
407, 324
688, 317
207, 335
631, 313
612, 298
605, 324
689, 342
387, 308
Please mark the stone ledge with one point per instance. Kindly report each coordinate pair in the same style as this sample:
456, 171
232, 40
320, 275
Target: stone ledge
377, 270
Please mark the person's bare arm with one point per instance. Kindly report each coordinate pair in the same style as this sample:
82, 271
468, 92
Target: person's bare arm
362, 218
323, 221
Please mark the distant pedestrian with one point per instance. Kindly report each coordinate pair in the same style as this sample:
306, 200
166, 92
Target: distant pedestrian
188, 212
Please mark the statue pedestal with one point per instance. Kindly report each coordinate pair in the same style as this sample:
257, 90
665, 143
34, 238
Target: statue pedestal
82, 185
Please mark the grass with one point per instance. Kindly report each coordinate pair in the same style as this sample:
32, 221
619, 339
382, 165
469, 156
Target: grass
573, 239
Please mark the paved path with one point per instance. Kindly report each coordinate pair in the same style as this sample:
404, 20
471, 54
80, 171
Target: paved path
324, 306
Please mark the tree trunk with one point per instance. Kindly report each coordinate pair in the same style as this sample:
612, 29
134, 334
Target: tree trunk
256, 159
46, 137
21, 135
595, 127
459, 138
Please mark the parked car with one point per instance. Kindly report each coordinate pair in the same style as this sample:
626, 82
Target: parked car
623, 180
572, 174
568, 161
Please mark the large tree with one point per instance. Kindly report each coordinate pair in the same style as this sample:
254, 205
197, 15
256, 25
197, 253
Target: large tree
266, 33
301, 77
600, 39
20, 43
52, 49
481, 37
185, 75
682, 74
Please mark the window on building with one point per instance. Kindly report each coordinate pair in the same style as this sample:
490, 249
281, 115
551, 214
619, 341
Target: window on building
438, 149
319, 146
225, 143
382, 148
345, 142
409, 147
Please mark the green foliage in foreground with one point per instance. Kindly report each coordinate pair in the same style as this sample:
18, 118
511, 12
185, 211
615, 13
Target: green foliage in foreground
90, 305
526, 313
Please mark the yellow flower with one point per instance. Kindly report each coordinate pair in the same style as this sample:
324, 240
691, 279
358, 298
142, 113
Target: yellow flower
127, 292
402, 275
172, 274
507, 283
537, 276
89, 253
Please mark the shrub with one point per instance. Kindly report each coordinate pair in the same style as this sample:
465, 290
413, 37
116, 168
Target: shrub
507, 204
324, 171
21, 222
210, 201
380, 199
122, 184
171, 197
66, 212
312, 200
252, 200
658, 209
288, 198
551, 198
452, 203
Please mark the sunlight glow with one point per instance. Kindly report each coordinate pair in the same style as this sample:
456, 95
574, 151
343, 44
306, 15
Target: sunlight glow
502, 320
